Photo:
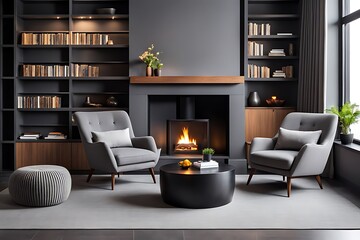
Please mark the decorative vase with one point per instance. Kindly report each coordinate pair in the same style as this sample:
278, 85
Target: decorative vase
111, 102
254, 99
148, 71
207, 157
157, 72
346, 138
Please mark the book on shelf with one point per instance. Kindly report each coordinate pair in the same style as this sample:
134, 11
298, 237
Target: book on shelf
55, 135
30, 136
259, 29
255, 71
31, 70
204, 164
84, 70
277, 52
90, 39
45, 38
39, 102
255, 49
284, 34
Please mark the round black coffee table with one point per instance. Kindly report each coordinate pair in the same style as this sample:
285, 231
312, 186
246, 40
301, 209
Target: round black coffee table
195, 188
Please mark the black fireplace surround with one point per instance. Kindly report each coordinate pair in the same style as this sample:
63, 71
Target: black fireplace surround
152, 106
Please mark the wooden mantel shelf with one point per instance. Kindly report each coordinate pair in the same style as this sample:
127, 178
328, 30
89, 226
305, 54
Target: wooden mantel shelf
188, 80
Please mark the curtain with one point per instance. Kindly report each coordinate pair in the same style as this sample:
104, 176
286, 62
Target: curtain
311, 84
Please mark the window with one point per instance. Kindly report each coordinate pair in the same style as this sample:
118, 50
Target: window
351, 49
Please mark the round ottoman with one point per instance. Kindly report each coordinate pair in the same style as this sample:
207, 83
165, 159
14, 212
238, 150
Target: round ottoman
40, 185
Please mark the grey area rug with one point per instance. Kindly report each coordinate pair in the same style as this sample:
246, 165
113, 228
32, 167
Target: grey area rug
136, 204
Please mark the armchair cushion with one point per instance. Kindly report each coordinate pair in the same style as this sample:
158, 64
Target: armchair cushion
295, 140
281, 159
130, 155
116, 138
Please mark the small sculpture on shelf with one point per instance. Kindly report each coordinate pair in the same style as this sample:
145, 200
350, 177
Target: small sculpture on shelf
88, 103
275, 102
111, 101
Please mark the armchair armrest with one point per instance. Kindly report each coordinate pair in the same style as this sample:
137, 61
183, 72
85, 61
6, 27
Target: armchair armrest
261, 144
100, 156
311, 160
146, 142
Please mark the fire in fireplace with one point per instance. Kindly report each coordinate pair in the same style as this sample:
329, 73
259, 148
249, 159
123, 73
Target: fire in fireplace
187, 136
185, 143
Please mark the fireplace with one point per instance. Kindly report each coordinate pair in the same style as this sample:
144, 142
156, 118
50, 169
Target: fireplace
187, 136
155, 101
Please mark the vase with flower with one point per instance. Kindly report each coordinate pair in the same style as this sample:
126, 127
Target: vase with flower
151, 60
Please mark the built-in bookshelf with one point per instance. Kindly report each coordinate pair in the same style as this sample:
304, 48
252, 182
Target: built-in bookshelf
272, 30
7, 84
62, 56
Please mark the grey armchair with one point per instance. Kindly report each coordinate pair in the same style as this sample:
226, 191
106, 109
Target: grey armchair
140, 153
281, 156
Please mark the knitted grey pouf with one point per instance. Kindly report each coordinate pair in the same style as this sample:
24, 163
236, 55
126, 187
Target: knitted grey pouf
40, 185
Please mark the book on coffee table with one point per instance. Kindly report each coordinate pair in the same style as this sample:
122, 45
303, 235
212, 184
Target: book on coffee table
205, 164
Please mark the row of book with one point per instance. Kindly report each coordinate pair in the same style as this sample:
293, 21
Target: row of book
255, 71
77, 70
64, 38
45, 39
84, 70
37, 135
259, 29
90, 39
39, 102
31, 70
255, 49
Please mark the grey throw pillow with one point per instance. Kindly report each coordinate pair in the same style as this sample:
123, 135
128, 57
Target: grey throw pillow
294, 140
116, 138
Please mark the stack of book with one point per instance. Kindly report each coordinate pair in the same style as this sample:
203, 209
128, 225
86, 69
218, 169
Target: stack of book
56, 135
203, 164
277, 52
279, 74
30, 136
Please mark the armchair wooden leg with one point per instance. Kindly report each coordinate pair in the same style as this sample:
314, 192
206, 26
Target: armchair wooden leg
318, 179
252, 171
112, 181
90, 174
288, 186
151, 170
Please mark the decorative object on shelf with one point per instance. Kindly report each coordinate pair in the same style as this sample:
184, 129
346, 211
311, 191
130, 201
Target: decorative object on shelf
88, 103
111, 101
185, 164
207, 154
254, 99
151, 60
106, 11
110, 42
275, 102
348, 114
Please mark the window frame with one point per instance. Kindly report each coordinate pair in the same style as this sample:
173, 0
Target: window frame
345, 50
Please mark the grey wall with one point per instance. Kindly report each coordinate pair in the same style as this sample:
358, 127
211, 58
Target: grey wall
195, 37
